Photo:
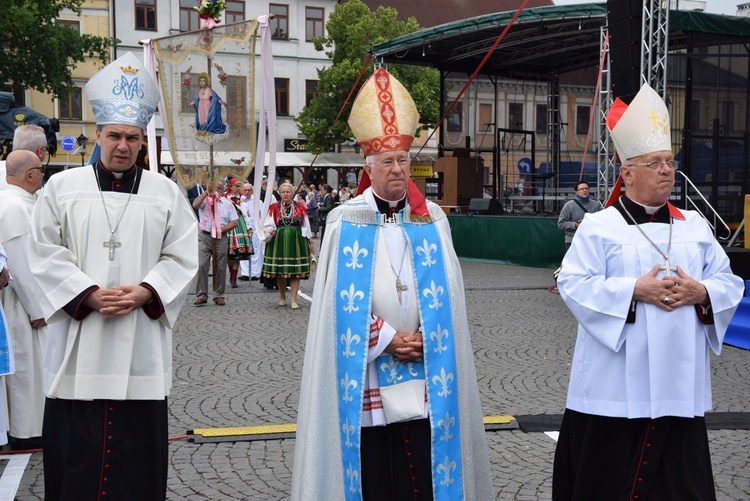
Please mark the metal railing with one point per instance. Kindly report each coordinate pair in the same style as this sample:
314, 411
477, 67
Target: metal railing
709, 208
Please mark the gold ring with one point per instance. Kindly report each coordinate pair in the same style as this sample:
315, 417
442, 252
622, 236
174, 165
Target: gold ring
665, 300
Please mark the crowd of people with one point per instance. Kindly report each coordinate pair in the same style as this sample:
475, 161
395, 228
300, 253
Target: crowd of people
389, 394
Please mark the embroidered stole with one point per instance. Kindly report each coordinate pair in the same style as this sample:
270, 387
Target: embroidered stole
354, 276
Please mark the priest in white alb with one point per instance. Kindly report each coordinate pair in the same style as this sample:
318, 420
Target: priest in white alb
653, 293
389, 405
114, 249
23, 299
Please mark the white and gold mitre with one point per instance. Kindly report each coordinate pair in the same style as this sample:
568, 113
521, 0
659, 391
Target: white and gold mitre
641, 127
384, 116
123, 93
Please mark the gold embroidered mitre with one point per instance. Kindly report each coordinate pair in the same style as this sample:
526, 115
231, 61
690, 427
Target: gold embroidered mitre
384, 116
641, 127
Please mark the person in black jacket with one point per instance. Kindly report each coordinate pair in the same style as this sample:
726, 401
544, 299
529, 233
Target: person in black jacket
325, 206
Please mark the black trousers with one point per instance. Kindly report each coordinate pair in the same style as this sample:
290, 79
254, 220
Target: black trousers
396, 464
105, 449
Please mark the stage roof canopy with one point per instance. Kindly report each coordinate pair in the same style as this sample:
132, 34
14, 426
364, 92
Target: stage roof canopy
543, 41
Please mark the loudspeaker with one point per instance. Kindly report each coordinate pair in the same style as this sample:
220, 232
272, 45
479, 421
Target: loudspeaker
624, 25
485, 206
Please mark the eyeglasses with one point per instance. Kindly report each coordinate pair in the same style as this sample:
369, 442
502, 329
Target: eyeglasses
656, 164
583, 188
39, 168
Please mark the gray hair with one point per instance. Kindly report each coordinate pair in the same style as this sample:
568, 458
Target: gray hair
29, 137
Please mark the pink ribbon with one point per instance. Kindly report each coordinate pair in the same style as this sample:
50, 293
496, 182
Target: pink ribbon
213, 207
208, 22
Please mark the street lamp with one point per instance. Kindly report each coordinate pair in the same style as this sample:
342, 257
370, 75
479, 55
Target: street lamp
82, 140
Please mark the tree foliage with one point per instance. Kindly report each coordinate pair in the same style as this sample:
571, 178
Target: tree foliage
350, 32
36, 52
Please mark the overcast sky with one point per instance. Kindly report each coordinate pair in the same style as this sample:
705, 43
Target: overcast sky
712, 6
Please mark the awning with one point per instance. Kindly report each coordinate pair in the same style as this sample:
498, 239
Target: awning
283, 159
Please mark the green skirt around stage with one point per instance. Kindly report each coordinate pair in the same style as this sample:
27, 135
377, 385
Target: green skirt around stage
287, 254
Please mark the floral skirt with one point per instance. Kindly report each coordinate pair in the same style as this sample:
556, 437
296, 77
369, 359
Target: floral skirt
239, 243
287, 254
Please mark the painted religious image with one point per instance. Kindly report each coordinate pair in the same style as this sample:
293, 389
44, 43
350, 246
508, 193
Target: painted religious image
209, 122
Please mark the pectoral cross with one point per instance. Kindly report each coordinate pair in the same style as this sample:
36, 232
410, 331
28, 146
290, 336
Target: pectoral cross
667, 268
400, 288
112, 243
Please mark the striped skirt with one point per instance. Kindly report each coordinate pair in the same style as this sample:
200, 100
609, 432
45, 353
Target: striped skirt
287, 254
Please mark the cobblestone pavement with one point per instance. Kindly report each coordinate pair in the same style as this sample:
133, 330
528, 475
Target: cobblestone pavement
240, 365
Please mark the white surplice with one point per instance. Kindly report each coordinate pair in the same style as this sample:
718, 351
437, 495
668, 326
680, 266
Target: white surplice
5, 341
21, 301
659, 365
126, 357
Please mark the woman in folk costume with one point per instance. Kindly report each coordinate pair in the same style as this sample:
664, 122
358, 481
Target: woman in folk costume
287, 256
389, 405
239, 245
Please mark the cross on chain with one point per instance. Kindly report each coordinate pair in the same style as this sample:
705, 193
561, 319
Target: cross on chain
400, 288
667, 268
112, 243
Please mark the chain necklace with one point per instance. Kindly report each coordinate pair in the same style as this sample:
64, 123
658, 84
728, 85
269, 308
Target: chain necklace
400, 287
112, 243
666, 267
287, 214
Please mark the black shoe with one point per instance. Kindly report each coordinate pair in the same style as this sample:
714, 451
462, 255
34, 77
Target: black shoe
243, 278
24, 444
253, 279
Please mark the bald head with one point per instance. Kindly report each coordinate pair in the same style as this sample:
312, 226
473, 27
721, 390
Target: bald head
23, 169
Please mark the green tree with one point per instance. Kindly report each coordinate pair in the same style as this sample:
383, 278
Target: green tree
350, 32
36, 52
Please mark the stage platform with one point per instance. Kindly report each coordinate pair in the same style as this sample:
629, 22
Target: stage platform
518, 240
532, 241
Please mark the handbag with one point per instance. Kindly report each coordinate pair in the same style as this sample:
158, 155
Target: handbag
313, 262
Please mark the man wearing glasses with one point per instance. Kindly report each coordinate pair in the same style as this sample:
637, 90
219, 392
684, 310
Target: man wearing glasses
21, 300
653, 293
573, 211
26, 137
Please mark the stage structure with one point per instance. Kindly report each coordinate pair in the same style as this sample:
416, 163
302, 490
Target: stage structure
207, 80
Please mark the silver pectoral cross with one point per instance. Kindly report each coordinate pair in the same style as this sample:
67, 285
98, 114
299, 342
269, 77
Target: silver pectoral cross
667, 268
112, 243
400, 288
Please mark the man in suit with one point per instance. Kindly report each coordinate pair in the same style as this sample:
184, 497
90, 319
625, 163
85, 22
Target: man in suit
197, 189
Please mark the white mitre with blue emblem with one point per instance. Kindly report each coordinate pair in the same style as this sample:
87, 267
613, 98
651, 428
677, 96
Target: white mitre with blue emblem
123, 93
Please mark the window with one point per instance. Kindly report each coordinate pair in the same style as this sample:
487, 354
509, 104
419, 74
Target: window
726, 117
188, 16
583, 115
486, 123
69, 105
145, 15
282, 96
541, 119
70, 23
17, 92
314, 17
695, 114
515, 116
311, 90
456, 118
280, 23
235, 12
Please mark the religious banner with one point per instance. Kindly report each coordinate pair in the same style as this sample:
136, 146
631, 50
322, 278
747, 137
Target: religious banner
207, 79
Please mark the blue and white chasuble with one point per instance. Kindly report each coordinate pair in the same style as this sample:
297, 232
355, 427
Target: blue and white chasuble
437, 368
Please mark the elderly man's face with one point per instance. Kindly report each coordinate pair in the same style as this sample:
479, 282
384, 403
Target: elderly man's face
390, 174
649, 184
120, 145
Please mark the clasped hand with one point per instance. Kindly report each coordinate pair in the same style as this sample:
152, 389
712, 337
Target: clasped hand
670, 292
405, 346
118, 301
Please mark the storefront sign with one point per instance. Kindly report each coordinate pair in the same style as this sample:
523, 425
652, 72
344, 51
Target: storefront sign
295, 144
421, 169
